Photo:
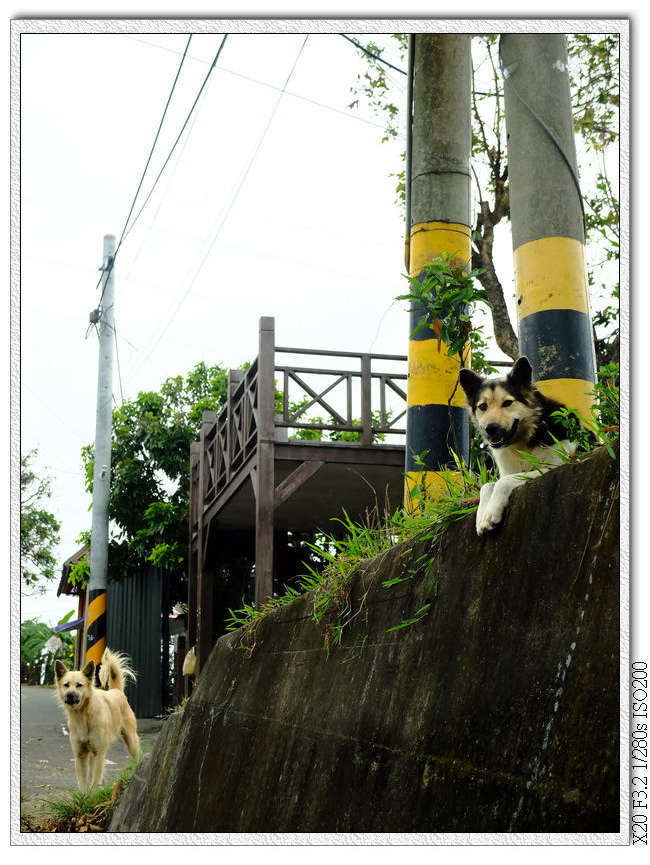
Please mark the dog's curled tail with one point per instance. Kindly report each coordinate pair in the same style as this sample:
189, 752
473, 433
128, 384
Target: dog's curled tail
115, 670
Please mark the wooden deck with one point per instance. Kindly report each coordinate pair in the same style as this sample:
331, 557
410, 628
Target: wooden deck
253, 476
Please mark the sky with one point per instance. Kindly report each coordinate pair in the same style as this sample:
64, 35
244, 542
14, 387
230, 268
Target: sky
277, 201
274, 203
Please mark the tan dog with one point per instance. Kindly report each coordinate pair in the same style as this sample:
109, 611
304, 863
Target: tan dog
96, 717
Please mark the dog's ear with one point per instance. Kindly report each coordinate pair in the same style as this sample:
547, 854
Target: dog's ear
60, 669
521, 374
89, 671
471, 382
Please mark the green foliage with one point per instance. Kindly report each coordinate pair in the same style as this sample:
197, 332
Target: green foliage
355, 542
446, 296
149, 495
607, 398
72, 811
39, 530
36, 659
594, 78
602, 427
79, 574
374, 83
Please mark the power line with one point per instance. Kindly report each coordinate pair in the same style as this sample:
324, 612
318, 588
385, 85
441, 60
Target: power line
187, 119
290, 93
235, 194
126, 231
160, 125
153, 146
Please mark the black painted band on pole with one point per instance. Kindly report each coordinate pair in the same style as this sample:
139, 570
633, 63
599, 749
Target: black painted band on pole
96, 625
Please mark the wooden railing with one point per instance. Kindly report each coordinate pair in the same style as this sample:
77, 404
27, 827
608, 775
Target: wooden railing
358, 400
362, 395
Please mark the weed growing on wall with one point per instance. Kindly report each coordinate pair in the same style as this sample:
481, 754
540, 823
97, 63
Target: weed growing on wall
357, 542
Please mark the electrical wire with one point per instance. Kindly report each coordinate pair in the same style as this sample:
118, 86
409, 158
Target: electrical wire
237, 189
187, 119
126, 230
160, 125
153, 146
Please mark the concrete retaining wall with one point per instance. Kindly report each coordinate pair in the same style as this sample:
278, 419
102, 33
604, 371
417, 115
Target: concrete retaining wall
498, 711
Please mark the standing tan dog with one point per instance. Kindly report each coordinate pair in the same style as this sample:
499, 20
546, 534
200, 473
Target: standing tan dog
96, 717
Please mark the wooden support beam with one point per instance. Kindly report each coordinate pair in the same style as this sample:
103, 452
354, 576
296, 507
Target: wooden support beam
295, 480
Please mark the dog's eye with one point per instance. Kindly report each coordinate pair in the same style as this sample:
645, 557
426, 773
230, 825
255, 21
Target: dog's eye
507, 402
482, 406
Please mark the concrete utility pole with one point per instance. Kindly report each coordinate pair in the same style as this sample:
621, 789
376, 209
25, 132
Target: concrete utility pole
548, 236
438, 221
97, 586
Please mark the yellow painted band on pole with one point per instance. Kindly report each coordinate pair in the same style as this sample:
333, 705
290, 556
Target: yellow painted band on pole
96, 651
572, 392
432, 239
432, 374
551, 273
96, 608
420, 486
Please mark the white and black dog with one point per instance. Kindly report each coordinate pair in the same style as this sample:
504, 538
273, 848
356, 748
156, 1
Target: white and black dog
512, 416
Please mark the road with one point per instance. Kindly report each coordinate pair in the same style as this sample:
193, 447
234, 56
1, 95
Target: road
46, 763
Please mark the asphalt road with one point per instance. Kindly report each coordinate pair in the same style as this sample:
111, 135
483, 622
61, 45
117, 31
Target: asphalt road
46, 763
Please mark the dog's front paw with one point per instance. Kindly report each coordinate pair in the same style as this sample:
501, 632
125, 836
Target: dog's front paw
489, 516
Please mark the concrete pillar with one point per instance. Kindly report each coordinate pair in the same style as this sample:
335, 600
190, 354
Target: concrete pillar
548, 237
438, 222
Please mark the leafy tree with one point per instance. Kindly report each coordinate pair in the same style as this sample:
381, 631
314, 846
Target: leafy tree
39, 529
149, 498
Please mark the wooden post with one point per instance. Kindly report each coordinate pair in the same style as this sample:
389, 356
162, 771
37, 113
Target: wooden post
204, 575
366, 401
179, 684
235, 377
265, 462
195, 519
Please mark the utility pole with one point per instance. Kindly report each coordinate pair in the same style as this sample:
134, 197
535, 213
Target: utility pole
548, 232
97, 586
438, 222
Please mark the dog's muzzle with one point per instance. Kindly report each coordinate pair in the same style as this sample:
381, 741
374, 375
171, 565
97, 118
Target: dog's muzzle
497, 436
71, 699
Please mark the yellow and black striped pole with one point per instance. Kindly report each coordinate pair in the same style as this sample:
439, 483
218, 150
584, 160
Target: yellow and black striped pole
96, 625
438, 208
547, 215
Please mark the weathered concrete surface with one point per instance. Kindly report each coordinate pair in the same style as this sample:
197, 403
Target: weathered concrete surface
499, 711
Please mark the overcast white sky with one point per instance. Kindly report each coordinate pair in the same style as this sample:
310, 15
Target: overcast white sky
295, 219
